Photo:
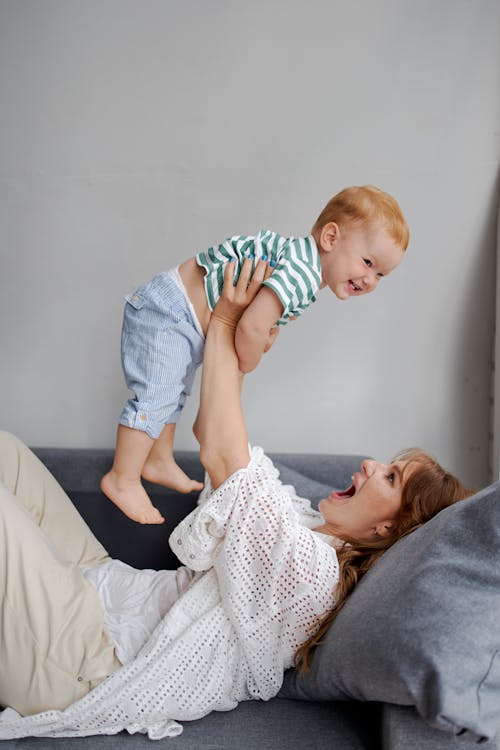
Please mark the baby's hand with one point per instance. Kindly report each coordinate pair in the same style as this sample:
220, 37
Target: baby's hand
273, 333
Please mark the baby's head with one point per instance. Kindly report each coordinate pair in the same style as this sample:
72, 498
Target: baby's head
361, 235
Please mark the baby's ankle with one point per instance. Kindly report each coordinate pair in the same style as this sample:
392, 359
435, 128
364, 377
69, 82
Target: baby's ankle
120, 480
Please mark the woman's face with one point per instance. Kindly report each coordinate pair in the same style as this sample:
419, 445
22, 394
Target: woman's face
365, 511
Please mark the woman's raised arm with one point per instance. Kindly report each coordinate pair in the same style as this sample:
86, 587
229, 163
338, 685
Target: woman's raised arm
220, 426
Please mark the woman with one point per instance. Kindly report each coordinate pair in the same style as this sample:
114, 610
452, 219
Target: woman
261, 575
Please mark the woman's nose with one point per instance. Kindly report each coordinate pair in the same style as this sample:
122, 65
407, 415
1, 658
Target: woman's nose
368, 466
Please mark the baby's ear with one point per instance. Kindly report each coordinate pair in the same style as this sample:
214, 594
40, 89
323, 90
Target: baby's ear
329, 236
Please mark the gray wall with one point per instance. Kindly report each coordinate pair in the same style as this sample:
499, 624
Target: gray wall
135, 133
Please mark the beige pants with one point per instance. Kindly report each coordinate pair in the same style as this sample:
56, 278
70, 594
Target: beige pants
53, 645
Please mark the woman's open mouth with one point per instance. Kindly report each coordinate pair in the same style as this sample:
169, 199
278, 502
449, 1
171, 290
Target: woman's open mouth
343, 494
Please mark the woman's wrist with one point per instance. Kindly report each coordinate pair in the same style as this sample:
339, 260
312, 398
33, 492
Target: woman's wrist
225, 320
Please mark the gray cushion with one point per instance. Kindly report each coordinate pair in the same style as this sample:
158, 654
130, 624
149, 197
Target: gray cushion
423, 626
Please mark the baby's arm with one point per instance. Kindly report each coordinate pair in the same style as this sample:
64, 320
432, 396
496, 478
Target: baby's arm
253, 335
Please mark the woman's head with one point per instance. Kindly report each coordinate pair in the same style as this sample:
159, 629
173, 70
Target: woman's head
427, 489
387, 501
365, 205
418, 491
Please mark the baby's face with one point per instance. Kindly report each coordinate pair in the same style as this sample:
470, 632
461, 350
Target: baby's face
356, 258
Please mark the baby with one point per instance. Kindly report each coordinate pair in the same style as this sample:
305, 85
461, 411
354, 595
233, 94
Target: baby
359, 237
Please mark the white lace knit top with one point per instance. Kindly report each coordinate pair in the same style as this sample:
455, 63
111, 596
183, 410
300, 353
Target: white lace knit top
268, 580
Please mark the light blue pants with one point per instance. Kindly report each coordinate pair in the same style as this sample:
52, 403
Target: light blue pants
161, 351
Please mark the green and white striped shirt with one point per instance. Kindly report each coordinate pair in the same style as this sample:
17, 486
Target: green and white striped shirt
295, 279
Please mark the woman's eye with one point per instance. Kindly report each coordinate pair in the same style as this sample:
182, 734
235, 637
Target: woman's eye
368, 262
391, 477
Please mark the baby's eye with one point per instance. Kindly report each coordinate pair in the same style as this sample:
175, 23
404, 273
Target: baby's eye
380, 276
368, 262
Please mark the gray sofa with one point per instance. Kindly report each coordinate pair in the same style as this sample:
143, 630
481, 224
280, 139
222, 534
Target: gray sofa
283, 722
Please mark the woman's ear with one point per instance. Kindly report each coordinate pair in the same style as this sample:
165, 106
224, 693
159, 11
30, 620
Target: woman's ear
328, 237
384, 529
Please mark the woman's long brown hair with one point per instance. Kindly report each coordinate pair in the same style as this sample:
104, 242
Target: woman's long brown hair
426, 490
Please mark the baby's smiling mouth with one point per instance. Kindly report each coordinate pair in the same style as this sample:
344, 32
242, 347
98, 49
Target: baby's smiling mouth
354, 286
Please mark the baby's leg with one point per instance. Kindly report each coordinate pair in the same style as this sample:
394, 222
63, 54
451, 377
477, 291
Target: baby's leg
122, 484
161, 467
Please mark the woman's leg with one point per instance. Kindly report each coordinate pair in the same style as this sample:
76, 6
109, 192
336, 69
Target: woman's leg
53, 644
26, 477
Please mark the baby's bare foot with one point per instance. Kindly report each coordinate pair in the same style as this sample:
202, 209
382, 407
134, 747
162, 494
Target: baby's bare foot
170, 474
131, 497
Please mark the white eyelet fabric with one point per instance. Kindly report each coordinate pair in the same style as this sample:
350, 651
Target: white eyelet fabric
268, 580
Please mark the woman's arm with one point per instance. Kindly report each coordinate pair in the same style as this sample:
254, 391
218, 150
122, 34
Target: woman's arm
220, 427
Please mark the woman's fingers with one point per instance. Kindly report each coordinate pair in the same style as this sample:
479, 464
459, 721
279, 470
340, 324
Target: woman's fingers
235, 297
229, 272
250, 280
249, 275
258, 276
245, 274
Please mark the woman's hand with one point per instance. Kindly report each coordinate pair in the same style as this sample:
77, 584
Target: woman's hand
235, 298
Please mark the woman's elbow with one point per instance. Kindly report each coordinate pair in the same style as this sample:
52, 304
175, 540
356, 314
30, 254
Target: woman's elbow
208, 458
215, 466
